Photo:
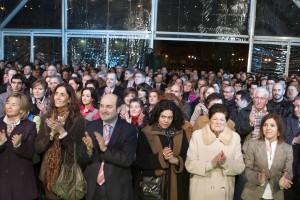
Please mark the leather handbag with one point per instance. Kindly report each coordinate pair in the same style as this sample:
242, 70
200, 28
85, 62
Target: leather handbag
71, 183
151, 188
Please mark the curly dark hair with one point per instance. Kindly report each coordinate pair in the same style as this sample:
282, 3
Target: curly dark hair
163, 105
73, 105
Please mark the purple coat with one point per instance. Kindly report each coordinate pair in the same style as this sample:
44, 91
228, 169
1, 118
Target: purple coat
17, 180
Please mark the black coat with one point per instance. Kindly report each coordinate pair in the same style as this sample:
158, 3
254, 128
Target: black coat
17, 180
117, 91
242, 123
118, 159
291, 124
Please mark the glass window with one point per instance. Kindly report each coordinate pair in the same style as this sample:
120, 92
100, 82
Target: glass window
17, 48
38, 14
295, 60
269, 59
277, 18
202, 55
6, 7
127, 52
86, 50
48, 49
108, 14
205, 16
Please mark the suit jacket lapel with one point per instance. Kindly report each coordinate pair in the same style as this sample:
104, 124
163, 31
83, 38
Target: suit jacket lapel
115, 133
277, 159
295, 126
263, 156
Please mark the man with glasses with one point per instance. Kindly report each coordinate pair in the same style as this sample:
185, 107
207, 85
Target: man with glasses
229, 101
111, 87
249, 118
139, 77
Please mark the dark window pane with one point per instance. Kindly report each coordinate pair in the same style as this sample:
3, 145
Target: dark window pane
6, 7
17, 48
110, 15
270, 59
128, 52
86, 50
295, 60
38, 14
201, 55
204, 16
277, 18
47, 49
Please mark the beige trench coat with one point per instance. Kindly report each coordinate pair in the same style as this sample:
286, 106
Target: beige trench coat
218, 183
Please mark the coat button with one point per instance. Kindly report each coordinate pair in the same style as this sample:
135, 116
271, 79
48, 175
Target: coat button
212, 187
223, 188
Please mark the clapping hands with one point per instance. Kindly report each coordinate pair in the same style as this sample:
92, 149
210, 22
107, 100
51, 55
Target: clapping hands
219, 159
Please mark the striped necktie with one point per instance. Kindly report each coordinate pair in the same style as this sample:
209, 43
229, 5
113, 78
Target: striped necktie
106, 136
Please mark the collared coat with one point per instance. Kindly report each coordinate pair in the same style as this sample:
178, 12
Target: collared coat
256, 161
17, 180
218, 183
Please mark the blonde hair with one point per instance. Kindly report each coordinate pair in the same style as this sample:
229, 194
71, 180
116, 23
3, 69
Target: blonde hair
24, 104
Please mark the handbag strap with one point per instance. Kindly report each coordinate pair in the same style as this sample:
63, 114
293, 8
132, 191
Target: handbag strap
75, 158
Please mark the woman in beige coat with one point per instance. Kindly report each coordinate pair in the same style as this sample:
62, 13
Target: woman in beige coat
214, 158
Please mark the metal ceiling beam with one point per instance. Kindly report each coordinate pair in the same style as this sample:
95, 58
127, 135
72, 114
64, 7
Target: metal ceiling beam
297, 2
13, 13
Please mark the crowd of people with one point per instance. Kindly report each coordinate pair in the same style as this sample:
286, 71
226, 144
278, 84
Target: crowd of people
189, 134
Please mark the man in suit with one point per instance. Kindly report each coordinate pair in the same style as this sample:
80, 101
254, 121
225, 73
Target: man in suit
29, 79
111, 87
159, 83
292, 137
111, 145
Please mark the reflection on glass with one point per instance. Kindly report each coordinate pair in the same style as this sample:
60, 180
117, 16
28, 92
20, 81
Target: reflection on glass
48, 49
295, 60
127, 52
269, 59
6, 7
38, 14
109, 15
17, 48
204, 16
86, 50
277, 18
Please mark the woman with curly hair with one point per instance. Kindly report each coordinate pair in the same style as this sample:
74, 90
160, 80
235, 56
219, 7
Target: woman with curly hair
61, 128
161, 151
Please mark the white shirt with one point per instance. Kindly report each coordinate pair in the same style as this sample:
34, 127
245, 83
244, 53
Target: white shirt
270, 155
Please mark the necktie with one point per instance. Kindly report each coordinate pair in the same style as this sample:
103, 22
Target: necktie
106, 136
157, 86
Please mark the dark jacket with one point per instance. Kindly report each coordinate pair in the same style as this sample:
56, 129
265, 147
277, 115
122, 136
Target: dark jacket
117, 91
291, 125
149, 163
118, 158
17, 180
242, 123
283, 108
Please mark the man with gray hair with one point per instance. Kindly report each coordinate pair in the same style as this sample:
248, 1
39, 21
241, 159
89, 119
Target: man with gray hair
249, 118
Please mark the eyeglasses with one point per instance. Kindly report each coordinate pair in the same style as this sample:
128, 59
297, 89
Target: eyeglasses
138, 77
260, 98
227, 91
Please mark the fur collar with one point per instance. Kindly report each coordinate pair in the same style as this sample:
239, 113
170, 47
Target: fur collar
208, 136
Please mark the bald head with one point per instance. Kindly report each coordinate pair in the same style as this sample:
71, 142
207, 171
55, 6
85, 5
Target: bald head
278, 92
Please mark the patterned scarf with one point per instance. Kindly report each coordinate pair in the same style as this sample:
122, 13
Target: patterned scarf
53, 155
